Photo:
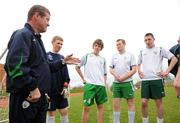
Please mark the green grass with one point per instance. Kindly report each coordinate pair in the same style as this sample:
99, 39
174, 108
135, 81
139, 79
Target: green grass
171, 109
76, 90
3, 114
3, 110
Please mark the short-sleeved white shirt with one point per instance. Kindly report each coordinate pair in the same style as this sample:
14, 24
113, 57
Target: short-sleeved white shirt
151, 60
122, 63
94, 69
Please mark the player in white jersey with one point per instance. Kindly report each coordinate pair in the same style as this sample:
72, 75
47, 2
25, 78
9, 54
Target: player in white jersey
94, 79
123, 67
150, 71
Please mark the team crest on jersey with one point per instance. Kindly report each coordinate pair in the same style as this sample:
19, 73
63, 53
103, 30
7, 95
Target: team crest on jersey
115, 59
91, 55
25, 104
144, 54
101, 62
155, 52
50, 57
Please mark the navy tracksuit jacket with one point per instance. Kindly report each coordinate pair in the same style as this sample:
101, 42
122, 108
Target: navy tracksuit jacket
176, 51
27, 68
57, 78
26, 63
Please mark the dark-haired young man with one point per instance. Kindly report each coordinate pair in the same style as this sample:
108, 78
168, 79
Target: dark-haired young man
150, 71
94, 79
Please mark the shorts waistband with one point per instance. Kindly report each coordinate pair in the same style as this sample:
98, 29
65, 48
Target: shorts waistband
152, 80
117, 82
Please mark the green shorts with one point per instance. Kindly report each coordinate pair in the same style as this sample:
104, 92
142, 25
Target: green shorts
123, 90
94, 92
153, 89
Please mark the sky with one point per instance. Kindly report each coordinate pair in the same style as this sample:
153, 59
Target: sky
80, 22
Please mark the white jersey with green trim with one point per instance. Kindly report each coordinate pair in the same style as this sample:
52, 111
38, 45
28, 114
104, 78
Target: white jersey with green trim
151, 61
122, 63
94, 69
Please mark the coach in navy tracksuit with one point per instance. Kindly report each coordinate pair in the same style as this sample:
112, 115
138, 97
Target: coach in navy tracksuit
176, 51
28, 72
59, 83
176, 70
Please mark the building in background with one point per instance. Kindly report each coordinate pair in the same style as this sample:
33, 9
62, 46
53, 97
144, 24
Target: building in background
2, 77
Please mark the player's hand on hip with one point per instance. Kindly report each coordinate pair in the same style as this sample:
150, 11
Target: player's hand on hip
163, 74
34, 95
141, 74
116, 76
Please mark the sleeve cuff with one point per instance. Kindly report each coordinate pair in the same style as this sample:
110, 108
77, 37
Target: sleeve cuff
33, 85
63, 61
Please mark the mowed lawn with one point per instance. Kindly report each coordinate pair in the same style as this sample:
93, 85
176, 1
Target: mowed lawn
171, 109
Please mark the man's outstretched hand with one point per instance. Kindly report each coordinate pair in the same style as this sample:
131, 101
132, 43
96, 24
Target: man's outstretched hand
69, 59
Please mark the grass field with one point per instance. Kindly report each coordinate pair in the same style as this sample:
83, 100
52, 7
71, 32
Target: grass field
171, 109
3, 106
